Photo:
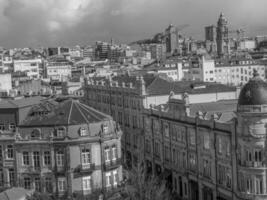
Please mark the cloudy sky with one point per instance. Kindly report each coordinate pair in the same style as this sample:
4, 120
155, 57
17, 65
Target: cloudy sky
69, 22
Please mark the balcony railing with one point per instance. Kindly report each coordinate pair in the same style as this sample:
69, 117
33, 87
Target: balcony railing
81, 169
112, 164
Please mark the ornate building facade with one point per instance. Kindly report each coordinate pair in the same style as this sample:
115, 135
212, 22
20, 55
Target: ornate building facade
64, 148
211, 155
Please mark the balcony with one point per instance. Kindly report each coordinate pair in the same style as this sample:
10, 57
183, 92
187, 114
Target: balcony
33, 170
82, 170
112, 164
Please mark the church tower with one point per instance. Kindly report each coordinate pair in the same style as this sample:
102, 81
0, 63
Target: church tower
222, 36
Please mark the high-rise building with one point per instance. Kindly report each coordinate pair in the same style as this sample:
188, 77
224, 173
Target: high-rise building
210, 33
171, 35
222, 36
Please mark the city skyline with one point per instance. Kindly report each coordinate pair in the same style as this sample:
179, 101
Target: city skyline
57, 22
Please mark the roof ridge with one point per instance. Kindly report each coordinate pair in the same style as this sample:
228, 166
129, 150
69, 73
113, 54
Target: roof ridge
70, 112
81, 113
91, 110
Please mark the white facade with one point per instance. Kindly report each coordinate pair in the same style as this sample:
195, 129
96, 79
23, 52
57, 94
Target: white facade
203, 70
58, 72
5, 82
175, 73
238, 73
31, 67
247, 44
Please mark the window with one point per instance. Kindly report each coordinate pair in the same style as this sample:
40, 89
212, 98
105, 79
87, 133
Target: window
35, 134
248, 156
36, 159
1, 178
61, 184
206, 141
27, 183
147, 146
166, 130
157, 149
228, 148
258, 156
12, 127
115, 178
2, 127
11, 177
105, 129
86, 157
192, 161
48, 185
86, 183
47, 158
107, 154
219, 145
83, 132
249, 185
60, 132
167, 153
108, 179
192, 137
25, 158
1, 154
259, 186
37, 184
10, 152
207, 168
60, 158
114, 153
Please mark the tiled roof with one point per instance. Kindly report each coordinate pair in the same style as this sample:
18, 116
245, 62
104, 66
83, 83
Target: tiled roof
162, 87
20, 103
68, 112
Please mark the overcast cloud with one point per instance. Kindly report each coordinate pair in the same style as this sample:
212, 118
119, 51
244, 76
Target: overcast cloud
69, 22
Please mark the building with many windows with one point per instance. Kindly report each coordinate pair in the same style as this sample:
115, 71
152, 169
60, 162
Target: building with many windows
212, 150
63, 148
125, 97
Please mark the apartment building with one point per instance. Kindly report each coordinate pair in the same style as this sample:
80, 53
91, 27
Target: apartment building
58, 68
210, 151
125, 97
237, 71
32, 67
64, 148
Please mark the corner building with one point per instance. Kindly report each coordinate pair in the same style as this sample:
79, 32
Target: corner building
211, 155
66, 149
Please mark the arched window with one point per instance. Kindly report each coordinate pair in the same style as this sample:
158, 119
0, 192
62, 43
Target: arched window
36, 134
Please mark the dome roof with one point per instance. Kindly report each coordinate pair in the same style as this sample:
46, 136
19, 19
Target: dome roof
254, 92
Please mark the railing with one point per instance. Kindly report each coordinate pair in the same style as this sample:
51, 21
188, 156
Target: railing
81, 170
112, 164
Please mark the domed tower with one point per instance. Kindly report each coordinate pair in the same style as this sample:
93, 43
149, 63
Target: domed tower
222, 35
251, 139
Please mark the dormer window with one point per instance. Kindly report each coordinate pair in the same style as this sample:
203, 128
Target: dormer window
83, 131
36, 134
60, 132
105, 129
12, 127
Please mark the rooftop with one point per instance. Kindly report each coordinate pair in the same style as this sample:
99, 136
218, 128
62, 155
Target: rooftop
68, 112
20, 103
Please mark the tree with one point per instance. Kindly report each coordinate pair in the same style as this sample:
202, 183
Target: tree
141, 186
